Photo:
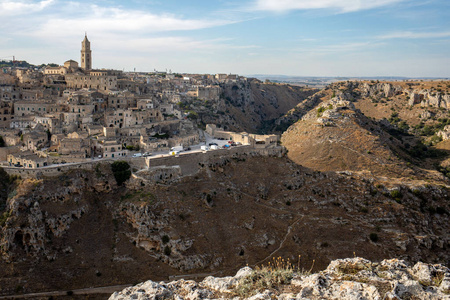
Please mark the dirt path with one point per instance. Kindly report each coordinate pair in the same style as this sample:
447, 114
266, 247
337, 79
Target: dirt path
87, 291
281, 243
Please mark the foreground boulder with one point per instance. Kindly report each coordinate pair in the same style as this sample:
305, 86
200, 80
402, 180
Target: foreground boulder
351, 278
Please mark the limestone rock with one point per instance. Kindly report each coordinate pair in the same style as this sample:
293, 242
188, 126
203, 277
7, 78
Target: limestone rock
146, 290
351, 278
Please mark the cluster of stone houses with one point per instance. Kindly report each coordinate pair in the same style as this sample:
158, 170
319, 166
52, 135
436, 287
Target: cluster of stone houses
254, 140
73, 113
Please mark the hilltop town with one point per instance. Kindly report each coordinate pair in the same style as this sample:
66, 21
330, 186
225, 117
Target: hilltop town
361, 168
55, 115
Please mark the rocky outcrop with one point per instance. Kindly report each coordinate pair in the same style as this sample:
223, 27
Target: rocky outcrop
36, 227
445, 133
384, 89
427, 98
435, 100
351, 279
153, 234
250, 106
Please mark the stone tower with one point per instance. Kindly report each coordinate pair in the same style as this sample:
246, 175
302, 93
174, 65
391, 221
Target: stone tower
86, 56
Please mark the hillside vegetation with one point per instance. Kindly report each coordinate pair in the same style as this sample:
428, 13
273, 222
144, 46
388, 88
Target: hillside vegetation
375, 127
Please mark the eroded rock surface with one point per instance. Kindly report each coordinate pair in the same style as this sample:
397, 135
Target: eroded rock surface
351, 279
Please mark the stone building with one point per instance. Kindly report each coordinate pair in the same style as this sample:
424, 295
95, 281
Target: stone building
255, 140
9, 92
145, 104
23, 108
6, 79
10, 136
103, 82
49, 122
23, 122
6, 113
35, 140
113, 149
86, 54
55, 71
121, 118
27, 159
74, 146
71, 65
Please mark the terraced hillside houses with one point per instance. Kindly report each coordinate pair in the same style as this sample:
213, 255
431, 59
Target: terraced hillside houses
74, 113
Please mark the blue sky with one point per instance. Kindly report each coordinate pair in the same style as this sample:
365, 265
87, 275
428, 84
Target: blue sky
286, 37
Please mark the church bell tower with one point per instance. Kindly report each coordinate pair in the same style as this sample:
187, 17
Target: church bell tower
86, 55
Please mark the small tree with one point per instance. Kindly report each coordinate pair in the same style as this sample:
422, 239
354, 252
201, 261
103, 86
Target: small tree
121, 171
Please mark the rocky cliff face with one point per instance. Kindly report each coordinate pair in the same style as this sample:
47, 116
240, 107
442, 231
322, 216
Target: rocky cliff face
351, 279
437, 95
83, 228
250, 106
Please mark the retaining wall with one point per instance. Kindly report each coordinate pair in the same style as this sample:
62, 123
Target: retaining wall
189, 162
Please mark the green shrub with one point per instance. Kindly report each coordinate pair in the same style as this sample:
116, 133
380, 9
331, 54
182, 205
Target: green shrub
396, 194
121, 171
320, 111
165, 239
3, 218
373, 237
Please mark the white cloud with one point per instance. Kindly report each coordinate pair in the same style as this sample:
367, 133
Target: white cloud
414, 35
14, 8
340, 5
113, 29
173, 44
118, 21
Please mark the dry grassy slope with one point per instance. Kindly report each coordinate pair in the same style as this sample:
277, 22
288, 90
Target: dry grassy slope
260, 207
356, 141
345, 146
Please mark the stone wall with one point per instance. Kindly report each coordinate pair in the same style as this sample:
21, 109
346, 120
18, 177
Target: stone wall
46, 171
189, 163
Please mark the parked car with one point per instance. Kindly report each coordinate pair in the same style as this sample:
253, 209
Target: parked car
137, 155
213, 144
146, 154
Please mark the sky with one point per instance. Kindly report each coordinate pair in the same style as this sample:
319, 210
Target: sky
277, 37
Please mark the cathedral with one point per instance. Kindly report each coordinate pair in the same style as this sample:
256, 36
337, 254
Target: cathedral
83, 76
